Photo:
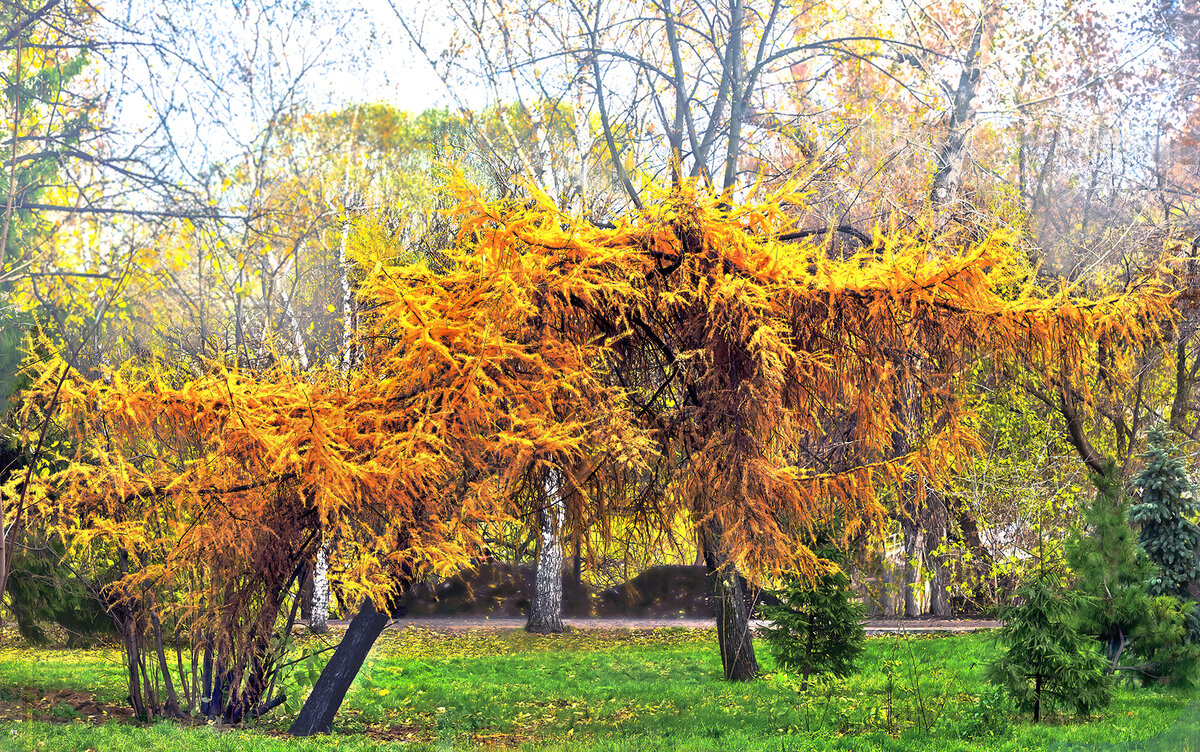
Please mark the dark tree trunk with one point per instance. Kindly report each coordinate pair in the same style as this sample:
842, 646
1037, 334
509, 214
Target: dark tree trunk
979, 570
1076, 435
808, 654
733, 618
316, 717
206, 680
171, 706
306, 597
128, 631
733, 627
1037, 698
577, 565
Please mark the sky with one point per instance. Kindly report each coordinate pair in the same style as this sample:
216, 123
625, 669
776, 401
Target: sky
199, 79
219, 70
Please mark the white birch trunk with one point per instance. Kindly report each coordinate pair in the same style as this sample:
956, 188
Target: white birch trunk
293, 320
545, 608
320, 592
320, 596
318, 622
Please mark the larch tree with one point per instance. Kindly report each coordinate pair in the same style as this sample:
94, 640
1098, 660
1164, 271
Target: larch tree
538, 130
690, 353
216, 489
728, 93
713, 337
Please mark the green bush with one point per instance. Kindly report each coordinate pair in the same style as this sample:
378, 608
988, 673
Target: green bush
989, 717
42, 590
1109, 568
1166, 530
1048, 662
1144, 636
817, 626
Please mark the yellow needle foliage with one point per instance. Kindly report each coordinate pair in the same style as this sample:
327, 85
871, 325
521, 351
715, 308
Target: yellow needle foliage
786, 385
774, 380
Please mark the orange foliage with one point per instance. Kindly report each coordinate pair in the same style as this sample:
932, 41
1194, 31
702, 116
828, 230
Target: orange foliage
769, 376
755, 355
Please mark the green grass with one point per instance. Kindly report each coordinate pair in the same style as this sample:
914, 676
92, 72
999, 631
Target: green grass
617, 691
97, 671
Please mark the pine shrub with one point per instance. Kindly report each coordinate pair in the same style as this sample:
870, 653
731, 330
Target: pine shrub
817, 626
1108, 566
42, 591
1145, 633
1048, 662
1164, 515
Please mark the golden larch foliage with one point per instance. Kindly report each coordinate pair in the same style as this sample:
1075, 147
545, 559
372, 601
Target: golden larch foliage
755, 386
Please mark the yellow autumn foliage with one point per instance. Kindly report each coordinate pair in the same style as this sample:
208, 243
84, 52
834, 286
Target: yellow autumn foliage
684, 363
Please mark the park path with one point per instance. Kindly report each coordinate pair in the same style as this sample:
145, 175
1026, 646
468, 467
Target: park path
468, 623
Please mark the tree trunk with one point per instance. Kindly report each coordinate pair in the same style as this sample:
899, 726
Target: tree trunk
949, 156
979, 571
206, 680
938, 563
577, 565
1037, 698
808, 654
545, 608
733, 618
939, 596
733, 627
171, 706
127, 628
306, 596
317, 621
316, 716
912, 574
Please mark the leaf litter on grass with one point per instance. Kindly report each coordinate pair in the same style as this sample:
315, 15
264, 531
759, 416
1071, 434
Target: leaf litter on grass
58, 706
1181, 736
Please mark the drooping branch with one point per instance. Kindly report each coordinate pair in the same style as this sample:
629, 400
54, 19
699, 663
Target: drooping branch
843, 229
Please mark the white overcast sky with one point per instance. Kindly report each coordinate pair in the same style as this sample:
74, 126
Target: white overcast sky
362, 50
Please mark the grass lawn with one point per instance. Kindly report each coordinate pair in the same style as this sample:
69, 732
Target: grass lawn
612, 690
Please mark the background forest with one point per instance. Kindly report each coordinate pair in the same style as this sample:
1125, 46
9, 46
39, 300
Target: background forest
315, 310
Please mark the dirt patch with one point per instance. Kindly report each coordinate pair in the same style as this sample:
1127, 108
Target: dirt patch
58, 706
501, 741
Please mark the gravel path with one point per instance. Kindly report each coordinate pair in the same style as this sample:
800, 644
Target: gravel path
467, 623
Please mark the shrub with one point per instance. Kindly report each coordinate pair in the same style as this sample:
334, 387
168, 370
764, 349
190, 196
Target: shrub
1048, 662
1109, 568
989, 716
1143, 635
1168, 536
42, 590
817, 626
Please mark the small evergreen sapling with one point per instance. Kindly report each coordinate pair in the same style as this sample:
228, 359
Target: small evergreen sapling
1168, 653
1048, 663
1142, 632
1164, 514
817, 628
1108, 566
